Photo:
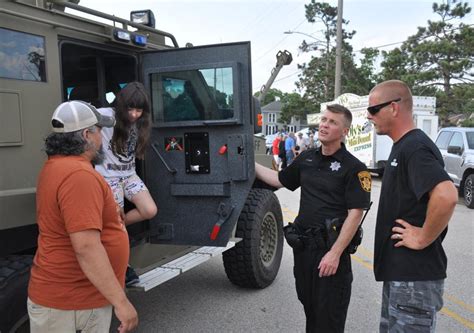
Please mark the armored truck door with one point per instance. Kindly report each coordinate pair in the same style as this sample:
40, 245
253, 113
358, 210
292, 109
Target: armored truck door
200, 163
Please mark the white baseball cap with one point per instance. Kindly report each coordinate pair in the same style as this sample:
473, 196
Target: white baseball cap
73, 116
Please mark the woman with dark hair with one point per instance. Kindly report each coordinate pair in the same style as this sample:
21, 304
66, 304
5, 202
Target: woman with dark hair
127, 140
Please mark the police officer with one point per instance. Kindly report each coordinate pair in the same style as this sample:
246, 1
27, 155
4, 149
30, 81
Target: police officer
335, 189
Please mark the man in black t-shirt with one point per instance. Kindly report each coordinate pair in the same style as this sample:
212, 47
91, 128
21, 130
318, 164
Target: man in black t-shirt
335, 189
416, 202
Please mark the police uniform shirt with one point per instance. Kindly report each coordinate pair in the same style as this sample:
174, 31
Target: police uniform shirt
415, 166
330, 185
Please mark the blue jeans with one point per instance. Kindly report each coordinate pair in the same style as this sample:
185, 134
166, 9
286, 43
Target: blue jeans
289, 157
411, 306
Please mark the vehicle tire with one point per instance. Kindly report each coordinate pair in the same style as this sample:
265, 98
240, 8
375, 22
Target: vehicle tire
14, 276
255, 260
468, 191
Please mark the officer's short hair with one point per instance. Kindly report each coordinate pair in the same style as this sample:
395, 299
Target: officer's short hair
338, 108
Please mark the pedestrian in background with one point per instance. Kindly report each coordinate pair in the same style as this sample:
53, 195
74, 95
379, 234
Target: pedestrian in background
301, 142
416, 202
276, 151
282, 151
290, 148
335, 189
78, 271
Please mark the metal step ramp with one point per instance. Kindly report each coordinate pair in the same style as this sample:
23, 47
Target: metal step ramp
178, 266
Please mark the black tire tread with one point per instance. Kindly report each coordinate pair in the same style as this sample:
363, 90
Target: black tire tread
239, 265
14, 277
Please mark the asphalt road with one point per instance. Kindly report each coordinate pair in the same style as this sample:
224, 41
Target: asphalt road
203, 300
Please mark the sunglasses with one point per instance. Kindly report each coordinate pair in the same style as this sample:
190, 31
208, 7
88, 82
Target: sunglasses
376, 108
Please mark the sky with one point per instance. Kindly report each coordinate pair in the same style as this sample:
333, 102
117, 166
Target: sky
263, 23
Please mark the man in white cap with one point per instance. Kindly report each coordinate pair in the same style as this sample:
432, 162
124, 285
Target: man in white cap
301, 142
78, 272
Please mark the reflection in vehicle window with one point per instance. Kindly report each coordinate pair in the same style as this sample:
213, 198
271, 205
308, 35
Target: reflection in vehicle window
443, 139
456, 140
470, 139
22, 56
193, 95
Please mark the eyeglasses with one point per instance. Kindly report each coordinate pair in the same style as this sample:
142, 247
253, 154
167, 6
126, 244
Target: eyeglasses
376, 108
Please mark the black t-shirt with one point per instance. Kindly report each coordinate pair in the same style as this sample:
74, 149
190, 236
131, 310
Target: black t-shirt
330, 185
415, 166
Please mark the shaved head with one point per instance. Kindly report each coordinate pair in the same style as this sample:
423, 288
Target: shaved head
393, 89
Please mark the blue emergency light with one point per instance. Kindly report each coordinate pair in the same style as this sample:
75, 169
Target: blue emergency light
139, 40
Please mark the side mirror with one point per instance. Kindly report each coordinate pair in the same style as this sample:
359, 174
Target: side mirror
455, 150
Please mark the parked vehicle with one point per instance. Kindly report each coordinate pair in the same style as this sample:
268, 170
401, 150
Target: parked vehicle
456, 144
207, 195
362, 140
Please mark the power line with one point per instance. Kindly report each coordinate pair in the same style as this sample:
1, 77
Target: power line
419, 39
272, 49
288, 76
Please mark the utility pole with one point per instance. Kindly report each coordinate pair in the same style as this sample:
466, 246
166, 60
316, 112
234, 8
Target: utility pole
337, 80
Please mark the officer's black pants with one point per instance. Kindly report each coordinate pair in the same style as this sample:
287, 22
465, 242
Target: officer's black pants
325, 299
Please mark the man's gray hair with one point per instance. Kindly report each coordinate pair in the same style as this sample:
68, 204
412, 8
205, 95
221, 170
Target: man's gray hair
72, 143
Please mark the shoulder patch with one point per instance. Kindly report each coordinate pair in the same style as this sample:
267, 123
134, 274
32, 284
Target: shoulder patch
365, 180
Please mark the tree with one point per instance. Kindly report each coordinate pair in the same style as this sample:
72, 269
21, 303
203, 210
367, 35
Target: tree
271, 96
438, 60
317, 77
294, 105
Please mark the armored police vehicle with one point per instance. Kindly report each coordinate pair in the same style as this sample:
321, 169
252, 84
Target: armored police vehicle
199, 167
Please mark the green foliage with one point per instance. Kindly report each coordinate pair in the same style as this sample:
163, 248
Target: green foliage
438, 59
294, 105
317, 77
467, 123
271, 96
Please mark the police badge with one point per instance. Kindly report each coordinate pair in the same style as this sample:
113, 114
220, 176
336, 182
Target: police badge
365, 180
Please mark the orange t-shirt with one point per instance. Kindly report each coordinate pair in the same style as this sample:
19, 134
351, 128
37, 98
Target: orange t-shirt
71, 196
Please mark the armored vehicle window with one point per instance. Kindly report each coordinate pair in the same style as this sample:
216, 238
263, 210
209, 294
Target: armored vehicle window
193, 95
23, 56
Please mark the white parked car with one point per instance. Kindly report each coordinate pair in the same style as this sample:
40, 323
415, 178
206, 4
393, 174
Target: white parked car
456, 144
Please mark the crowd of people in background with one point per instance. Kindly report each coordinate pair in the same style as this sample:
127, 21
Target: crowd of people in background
288, 145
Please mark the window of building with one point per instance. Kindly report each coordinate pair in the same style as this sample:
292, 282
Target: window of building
270, 129
23, 56
272, 118
291, 128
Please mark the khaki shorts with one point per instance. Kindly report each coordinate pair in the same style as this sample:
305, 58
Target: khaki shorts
49, 320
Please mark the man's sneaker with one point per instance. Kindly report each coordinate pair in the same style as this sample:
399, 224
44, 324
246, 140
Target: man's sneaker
131, 277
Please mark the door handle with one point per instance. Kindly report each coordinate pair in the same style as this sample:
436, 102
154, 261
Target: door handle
171, 170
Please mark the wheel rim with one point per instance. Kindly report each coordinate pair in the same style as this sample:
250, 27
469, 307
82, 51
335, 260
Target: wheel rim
268, 239
468, 190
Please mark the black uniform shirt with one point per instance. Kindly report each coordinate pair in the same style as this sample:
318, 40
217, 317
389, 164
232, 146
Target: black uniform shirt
414, 168
330, 185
